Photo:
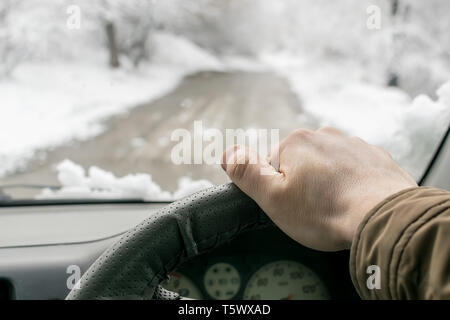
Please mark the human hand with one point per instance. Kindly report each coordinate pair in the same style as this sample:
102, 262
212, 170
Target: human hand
325, 185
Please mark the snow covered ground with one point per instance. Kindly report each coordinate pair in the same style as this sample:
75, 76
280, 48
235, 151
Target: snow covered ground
346, 95
76, 183
47, 105
408, 128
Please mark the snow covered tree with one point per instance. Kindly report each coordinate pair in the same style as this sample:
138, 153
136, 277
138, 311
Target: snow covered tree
124, 27
12, 51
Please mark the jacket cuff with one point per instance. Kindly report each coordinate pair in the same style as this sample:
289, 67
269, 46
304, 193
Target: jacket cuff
381, 237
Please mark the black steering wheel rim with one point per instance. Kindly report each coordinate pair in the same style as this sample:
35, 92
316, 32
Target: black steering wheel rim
134, 266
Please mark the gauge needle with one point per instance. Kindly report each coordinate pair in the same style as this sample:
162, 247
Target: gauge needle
175, 275
289, 297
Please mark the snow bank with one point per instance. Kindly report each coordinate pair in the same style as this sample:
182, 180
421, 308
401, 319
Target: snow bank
101, 184
47, 105
347, 96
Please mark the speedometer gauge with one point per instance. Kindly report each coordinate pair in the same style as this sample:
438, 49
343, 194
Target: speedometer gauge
182, 285
285, 280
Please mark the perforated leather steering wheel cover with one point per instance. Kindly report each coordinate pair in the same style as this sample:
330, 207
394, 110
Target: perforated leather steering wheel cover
134, 266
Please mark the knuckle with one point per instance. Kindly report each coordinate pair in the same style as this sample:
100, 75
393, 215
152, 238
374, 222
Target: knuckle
357, 139
330, 130
301, 133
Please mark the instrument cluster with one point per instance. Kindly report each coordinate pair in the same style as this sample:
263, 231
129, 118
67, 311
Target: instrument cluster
264, 264
277, 280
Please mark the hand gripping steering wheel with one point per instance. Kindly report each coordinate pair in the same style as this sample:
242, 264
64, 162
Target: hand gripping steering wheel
134, 266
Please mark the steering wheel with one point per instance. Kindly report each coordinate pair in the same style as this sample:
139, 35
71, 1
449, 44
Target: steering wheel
134, 266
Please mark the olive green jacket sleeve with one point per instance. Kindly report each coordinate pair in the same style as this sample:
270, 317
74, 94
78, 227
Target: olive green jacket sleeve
402, 247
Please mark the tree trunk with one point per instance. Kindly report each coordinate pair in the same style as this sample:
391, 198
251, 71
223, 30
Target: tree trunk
112, 45
394, 7
393, 78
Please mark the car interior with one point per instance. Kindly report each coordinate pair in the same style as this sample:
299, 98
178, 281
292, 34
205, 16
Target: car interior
260, 264
115, 115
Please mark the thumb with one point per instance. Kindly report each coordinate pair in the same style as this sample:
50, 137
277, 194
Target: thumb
251, 173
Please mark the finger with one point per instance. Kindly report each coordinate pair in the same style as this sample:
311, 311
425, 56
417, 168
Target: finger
251, 173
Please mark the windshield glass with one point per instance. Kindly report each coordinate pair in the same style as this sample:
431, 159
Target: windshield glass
139, 98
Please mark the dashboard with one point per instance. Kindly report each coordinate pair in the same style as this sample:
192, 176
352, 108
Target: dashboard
40, 245
264, 265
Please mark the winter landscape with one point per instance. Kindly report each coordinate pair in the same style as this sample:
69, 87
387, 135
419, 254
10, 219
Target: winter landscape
91, 91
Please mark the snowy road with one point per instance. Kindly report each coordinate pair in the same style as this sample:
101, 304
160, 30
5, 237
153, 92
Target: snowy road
139, 141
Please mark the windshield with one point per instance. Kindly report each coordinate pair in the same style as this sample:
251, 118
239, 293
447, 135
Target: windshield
139, 98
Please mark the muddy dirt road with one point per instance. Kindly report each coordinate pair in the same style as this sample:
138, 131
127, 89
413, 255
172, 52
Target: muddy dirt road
139, 141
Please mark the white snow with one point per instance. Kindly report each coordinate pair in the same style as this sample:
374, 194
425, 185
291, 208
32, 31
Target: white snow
335, 66
347, 96
97, 183
47, 105
181, 53
50, 105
